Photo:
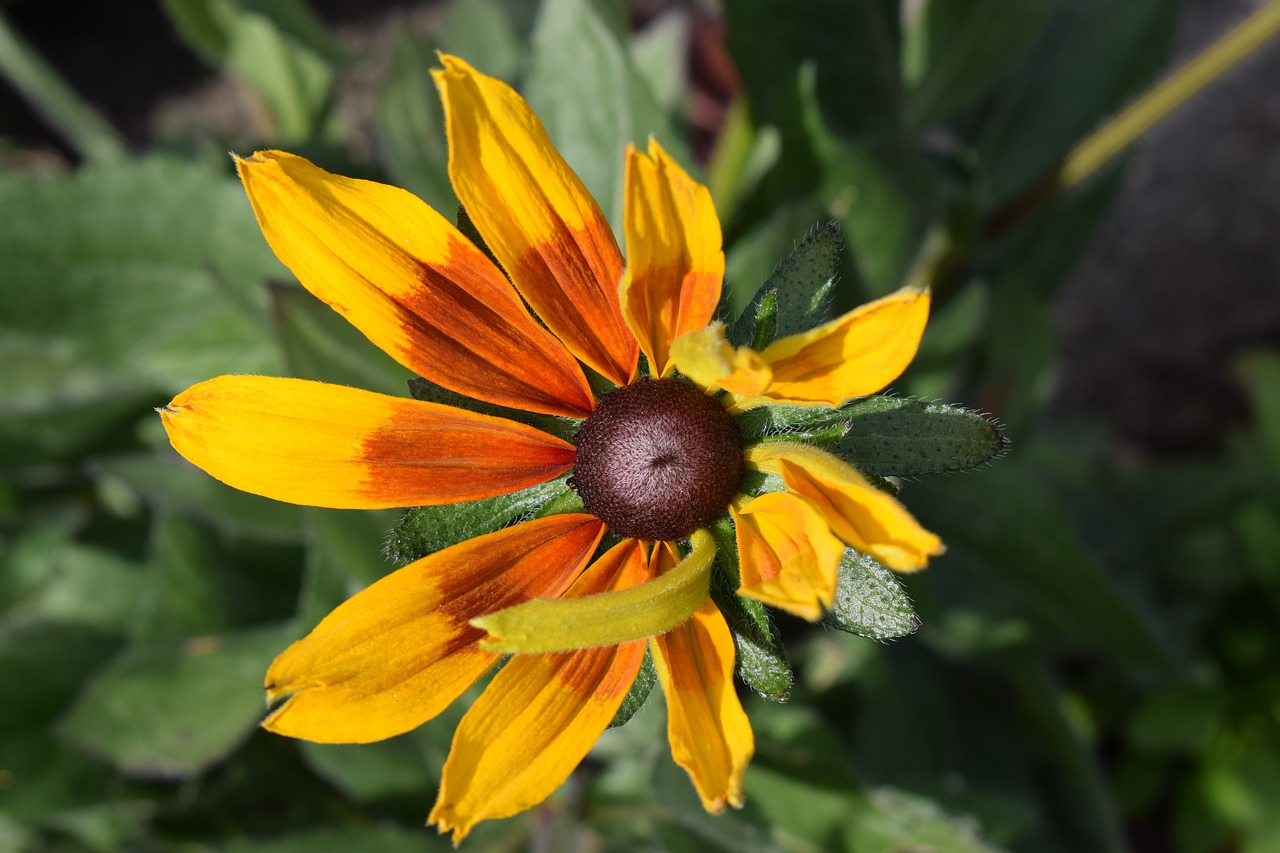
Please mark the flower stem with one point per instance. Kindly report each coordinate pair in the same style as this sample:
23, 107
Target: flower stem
1107, 142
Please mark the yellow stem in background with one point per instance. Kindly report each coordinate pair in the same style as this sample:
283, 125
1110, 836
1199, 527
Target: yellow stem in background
1123, 129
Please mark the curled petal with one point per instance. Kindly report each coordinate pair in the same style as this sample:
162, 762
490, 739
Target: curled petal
326, 445
536, 216
859, 513
397, 653
852, 356
709, 732
706, 357
789, 557
540, 715
675, 265
608, 618
409, 280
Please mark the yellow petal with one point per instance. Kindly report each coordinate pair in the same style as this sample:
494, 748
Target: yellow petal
706, 357
540, 715
393, 656
609, 618
326, 445
852, 356
788, 555
675, 265
709, 732
536, 216
409, 280
859, 513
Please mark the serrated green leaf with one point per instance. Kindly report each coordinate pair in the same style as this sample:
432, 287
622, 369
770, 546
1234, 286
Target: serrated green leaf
885, 436
639, 692
896, 437
870, 600
427, 529
761, 660
803, 288
169, 713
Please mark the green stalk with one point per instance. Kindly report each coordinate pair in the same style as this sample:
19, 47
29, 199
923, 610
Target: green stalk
1103, 145
56, 102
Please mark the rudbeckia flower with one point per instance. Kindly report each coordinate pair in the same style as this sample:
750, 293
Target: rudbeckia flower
656, 459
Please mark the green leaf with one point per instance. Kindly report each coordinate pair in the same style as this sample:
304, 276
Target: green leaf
320, 344
50, 660
278, 47
761, 660
803, 286
852, 44
883, 435
658, 52
483, 32
345, 554
897, 437
1011, 529
183, 596
169, 713
144, 275
427, 529
638, 693
173, 485
584, 87
373, 771
365, 839
901, 821
870, 600
1056, 97
410, 123
956, 52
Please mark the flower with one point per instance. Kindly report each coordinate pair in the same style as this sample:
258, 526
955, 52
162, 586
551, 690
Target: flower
656, 460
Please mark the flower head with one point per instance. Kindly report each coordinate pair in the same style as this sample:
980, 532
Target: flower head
655, 459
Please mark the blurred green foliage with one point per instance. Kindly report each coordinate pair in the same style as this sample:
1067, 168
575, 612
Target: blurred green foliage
1098, 667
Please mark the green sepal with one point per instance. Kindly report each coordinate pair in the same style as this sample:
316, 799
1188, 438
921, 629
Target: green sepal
870, 600
639, 692
889, 436
897, 437
425, 530
761, 661
430, 392
800, 289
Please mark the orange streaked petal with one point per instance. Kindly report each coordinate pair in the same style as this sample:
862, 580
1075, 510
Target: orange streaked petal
537, 217
540, 716
675, 265
789, 557
408, 279
707, 357
852, 356
859, 513
393, 656
709, 732
326, 445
